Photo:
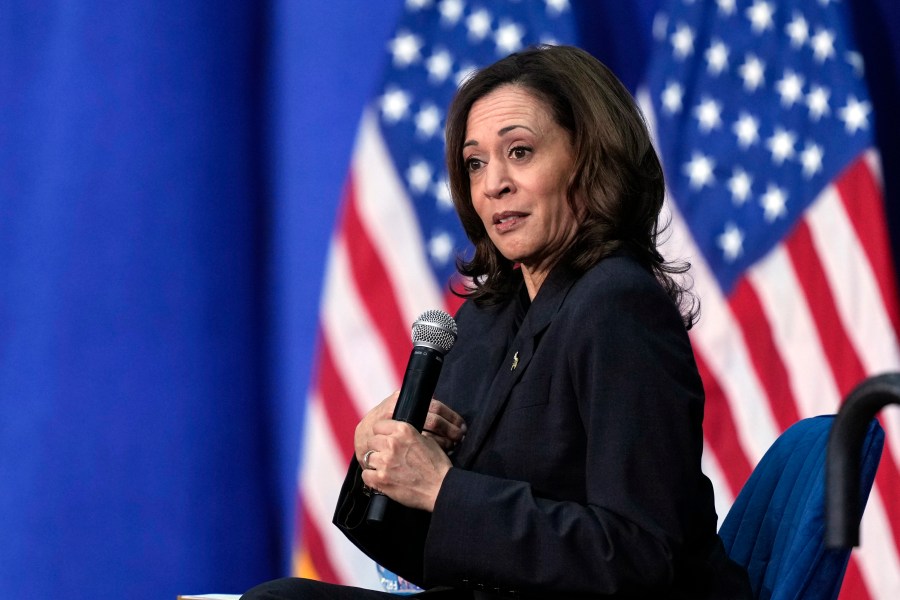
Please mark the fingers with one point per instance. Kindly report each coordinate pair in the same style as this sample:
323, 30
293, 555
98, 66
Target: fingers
365, 460
439, 409
444, 425
386, 445
389, 427
405, 466
384, 410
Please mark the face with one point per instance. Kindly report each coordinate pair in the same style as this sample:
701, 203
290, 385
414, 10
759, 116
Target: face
519, 161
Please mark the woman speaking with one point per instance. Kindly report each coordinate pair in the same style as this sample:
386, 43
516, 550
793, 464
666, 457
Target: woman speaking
561, 457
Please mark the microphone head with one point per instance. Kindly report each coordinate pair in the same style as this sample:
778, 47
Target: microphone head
434, 329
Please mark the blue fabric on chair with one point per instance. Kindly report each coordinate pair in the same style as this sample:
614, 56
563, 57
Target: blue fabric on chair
776, 526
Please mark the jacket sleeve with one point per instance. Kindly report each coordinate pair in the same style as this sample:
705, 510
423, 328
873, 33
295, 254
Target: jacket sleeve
397, 543
625, 361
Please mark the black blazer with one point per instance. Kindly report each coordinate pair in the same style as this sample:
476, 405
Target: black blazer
580, 472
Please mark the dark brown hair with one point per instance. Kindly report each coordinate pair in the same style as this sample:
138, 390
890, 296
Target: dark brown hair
617, 174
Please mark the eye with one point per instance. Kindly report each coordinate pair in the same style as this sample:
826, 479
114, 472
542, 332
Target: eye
473, 164
520, 152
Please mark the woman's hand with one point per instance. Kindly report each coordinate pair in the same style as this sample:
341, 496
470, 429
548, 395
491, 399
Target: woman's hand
442, 424
405, 465
402, 463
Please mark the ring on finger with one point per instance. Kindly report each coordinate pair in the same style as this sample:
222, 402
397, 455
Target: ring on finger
365, 460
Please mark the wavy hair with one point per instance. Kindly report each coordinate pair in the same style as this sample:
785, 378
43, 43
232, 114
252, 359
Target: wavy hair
617, 175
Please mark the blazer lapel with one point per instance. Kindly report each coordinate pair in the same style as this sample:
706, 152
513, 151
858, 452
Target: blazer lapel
544, 307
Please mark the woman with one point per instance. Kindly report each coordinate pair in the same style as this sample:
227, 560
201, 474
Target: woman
564, 458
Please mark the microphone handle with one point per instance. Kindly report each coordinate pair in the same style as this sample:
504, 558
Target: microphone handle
419, 382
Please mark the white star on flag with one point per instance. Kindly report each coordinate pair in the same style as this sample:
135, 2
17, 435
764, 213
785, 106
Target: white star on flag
817, 102
781, 145
479, 25
739, 185
441, 191
855, 114
700, 170
731, 241
726, 7
855, 60
708, 114
419, 176
395, 105
811, 159
683, 41
773, 202
671, 97
790, 87
797, 30
760, 16
508, 38
746, 128
439, 66
451, 11
823, 45
405, 48
716, 57
428, 121
752, 72
440, 247
557, 7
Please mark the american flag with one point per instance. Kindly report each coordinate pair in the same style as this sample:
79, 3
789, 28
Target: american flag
765, 128
393, 252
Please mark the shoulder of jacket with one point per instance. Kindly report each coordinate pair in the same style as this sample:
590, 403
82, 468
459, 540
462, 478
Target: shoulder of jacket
617, 274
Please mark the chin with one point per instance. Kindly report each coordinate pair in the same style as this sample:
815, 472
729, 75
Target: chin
514, 253
514, 257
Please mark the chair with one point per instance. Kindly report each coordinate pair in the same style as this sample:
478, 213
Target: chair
776, 527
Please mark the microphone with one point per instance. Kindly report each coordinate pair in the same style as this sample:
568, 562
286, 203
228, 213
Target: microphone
433, 334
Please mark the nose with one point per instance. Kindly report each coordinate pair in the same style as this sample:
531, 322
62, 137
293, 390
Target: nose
497, 180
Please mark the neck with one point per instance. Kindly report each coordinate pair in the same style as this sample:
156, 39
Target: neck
534, 278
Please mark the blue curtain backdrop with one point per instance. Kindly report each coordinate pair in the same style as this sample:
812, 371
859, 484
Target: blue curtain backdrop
169, 175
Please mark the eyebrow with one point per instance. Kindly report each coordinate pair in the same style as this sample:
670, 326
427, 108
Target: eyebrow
500, 133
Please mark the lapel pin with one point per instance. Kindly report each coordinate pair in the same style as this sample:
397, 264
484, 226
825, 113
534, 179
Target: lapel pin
515, 362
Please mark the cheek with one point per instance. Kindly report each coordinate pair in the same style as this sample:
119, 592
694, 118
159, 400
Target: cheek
556, 206
563, 207
482, 210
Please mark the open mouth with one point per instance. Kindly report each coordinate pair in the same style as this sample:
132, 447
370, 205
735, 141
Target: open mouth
508, 219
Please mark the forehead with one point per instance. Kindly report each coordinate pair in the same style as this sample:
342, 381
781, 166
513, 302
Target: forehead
507, 105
